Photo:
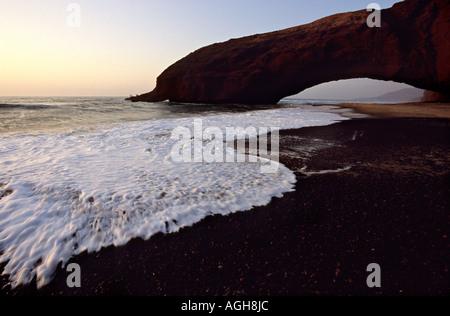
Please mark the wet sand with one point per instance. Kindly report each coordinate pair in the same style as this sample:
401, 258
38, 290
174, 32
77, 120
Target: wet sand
411, 110
389, 205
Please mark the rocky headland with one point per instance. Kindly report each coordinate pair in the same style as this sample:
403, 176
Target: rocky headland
411, 47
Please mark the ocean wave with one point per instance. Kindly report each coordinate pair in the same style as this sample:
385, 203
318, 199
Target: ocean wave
65, 194
23, 106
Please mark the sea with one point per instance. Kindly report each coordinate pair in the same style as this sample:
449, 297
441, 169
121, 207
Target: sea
80, 174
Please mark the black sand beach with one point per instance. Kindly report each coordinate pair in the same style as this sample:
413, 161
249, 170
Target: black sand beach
391, 207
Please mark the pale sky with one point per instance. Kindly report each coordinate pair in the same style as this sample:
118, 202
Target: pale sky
122, 46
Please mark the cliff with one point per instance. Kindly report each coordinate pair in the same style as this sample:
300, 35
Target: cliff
411, 47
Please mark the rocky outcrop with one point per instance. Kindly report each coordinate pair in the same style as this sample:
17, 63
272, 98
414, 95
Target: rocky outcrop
431, 96
411, 46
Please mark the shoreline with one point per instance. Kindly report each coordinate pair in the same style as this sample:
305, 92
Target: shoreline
401, 110
389, 207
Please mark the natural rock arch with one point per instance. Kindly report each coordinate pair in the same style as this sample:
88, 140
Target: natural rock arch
411, 47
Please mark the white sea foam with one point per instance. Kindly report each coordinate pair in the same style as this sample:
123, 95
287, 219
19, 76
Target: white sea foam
321, 172
63, 194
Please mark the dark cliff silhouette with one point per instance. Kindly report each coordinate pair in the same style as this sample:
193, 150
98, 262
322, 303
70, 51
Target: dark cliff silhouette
411, 47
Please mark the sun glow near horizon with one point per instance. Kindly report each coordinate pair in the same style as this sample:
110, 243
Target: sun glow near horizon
42, 55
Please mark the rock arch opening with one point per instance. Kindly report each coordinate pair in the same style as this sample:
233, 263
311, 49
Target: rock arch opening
362, 89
